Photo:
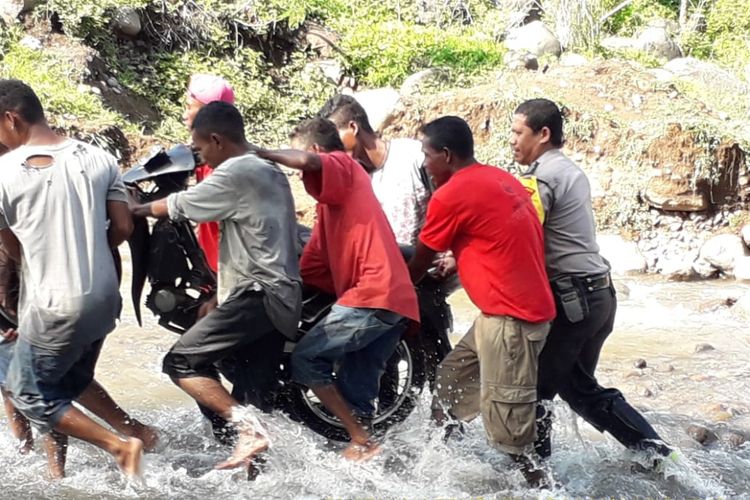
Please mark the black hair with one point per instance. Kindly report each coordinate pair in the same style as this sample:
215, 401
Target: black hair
542, 113
222, 119
342, 109
318, 131
17, 97
451, 133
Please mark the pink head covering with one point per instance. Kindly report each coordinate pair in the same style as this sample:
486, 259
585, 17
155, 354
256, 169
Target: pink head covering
210, 88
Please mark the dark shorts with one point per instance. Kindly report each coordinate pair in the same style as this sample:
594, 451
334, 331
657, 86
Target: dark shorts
43, 384
238, 339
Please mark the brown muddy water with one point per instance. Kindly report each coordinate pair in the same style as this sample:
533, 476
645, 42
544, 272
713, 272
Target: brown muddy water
659, 322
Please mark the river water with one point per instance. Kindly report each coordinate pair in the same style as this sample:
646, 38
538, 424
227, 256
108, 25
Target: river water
659, 322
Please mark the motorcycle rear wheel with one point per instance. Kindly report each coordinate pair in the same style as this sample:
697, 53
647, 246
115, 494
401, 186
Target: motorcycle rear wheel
400, 389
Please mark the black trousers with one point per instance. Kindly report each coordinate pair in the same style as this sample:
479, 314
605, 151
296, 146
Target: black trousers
567, 367
238, 340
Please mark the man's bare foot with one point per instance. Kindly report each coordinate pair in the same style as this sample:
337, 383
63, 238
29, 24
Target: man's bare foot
249, 444
26, 446
361, 452
146, 434
129, 456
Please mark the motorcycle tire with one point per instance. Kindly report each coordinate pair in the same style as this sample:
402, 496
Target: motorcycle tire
405, 372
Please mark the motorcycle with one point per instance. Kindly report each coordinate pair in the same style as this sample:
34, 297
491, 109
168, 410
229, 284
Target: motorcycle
166, 254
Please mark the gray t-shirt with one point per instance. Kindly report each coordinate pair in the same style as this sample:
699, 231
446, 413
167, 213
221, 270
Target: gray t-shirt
69, 291
252, 201
569, 225
399, 186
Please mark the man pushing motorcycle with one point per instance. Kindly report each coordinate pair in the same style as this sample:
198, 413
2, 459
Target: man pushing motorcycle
258, 302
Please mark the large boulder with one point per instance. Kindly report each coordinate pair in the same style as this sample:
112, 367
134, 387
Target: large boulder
623, 255
677, 267
656, 40
742, 268
379, 104
534, 38
667, 193
418, 81
723, 251
745, 232
127, 21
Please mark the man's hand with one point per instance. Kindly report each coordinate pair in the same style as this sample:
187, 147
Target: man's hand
9, 335
207, 307
446, 266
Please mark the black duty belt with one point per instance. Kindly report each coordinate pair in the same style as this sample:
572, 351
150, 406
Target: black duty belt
594, 282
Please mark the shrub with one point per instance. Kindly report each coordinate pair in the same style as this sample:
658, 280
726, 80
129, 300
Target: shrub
386, 53
56, 84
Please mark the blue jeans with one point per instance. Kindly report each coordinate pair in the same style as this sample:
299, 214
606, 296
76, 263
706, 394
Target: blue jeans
357, 343
43, 384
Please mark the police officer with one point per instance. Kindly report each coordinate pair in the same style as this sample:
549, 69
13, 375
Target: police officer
580, 279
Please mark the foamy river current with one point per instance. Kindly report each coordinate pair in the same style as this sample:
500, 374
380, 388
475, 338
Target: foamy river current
659, 322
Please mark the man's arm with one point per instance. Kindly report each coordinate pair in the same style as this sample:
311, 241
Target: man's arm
421, 262
157, 209
120, 223
292, 158
11, 244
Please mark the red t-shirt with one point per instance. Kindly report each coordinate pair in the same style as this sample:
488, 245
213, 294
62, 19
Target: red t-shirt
352, 251
208, 232
485, 216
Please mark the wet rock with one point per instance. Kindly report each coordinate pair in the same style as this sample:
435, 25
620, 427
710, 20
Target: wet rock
127, 21
634, 374
418, 81
722, 251
742, 269
678, 267
112, 82
534, 38
379, 104
666, 369
655, 40
622, 290
704, 269
640, 363
624, 256
645, 392
720, 412
703, 347
734, 439
701, 434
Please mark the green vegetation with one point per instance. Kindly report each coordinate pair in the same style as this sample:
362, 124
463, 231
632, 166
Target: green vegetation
260, 47
55, 82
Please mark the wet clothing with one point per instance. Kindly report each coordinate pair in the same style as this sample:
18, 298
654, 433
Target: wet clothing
252, 201
208, 232
70, 295
352, 252
484, 215
492, 371
586, 305
43, 383
569, 227
486, 218
358, 342
402, 187
6, 354
238, 338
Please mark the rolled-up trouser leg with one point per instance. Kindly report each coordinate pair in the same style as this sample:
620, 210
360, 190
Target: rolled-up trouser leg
508, 352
